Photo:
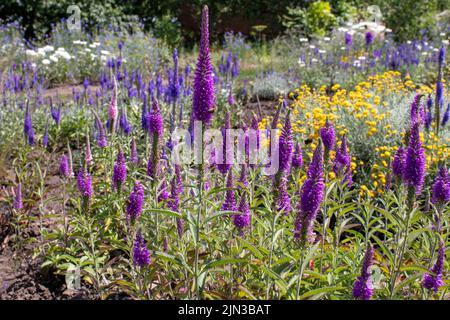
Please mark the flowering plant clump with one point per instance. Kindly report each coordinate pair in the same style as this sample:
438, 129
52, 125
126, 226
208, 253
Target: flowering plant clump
190, 175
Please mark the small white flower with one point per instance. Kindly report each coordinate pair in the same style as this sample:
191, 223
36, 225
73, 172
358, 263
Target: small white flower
312, 46
322, 51
388, 30
48, 48
80, 42
314, 60
46, 61
326, 39
445, 42
104, 52
303, 39
408, 42
362, 58
53, 58
343, 48
442, 34
87, 50
31, 53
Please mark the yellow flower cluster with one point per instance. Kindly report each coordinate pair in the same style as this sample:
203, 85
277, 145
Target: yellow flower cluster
367, 106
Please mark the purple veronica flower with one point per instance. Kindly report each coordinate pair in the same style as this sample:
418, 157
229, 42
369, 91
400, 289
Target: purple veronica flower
446, 116
311, 197
441, 56
242, 220
414, 172
135, 202
231, 100
134, 153
155, 123
369, 37
283, 201
120, 171
56, 114
102, 142
414, 113
203, 100
64, 169
328, 136
243, 177
230, 199
112, 109
342, 163
141, 255
84, 183
163, 193
348, 39
227, 151
286, 145
17, 203
433, 280
363, 287
441, 187
124, 123
45, 137
398, 164
297, 158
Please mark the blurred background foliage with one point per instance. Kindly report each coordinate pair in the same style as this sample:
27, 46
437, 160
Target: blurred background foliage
177, 21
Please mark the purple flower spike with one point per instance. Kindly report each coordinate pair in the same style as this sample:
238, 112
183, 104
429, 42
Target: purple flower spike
433, 280
226, 152
414, 173
203, 99
242, 220
297, 158
230, 199
155, 122
398, 164
363, 287
135, 202
64, 168
328, 136
311, 197
286, 145
134, 153
84, 183
141, 255
283, 201
342, 162
120, 171
441, 187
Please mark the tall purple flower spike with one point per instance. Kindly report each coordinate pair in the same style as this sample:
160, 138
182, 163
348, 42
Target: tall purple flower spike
441, 187
328, 136
414, 172
230, 198
135, 202
311, 197
342, 163
120, 171
141, 255
398, 164
286, 145
433, 279
242, 220
203, 99
363, 287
